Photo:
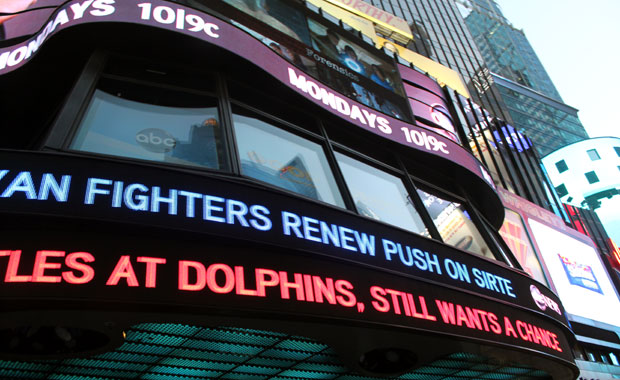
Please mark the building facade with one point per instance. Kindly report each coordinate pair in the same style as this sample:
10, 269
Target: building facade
534, 104
587, 174
249, 190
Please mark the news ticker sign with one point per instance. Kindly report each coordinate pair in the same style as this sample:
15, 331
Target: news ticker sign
166, 276
188, 21
51, 184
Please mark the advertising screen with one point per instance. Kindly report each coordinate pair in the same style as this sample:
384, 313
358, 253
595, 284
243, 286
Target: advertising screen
578, 275
325, 51
40, 184
513, 138
428, 103
515, 235
168, 275
341, 60
256, 48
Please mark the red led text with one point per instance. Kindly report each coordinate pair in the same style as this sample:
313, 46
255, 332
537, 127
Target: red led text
224, 279
48, 267
531, 333
455, 314
124, 271
400, 302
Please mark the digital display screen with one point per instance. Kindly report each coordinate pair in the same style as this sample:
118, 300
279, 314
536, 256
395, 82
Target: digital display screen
515, 235
428, 103
244, 43
44, 184
342, 61
317, 47
166, 275
578, 275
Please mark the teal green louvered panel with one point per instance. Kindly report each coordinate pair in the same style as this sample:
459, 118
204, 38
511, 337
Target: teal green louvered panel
234, 336
271, 362
169, 329
199, 364
257, 370
180, 352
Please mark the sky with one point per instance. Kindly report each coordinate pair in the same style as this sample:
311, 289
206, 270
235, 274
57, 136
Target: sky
577, 42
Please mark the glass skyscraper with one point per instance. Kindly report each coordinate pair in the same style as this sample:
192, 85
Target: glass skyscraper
440, 33
533, 102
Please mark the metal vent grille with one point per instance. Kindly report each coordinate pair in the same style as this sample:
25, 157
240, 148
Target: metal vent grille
155, 351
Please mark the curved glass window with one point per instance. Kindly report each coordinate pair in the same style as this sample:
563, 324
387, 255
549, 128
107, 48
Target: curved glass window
285, 160
380, 195
118, 126
455, 225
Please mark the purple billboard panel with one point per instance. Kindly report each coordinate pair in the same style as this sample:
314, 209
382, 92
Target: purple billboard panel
24, 17
428, 103
414, 77
188, 21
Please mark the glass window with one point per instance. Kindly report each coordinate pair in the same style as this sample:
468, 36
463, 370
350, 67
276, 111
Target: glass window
561, 190
119, 126
593, 154
380, 195
285, 160
604, 358
455, 225
592, 177
561, 166
591, 356
614, 359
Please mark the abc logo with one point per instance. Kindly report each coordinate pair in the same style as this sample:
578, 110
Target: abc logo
155, 140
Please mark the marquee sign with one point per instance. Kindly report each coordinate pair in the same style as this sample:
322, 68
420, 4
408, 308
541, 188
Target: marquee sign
49, 184
188, 21
87, 268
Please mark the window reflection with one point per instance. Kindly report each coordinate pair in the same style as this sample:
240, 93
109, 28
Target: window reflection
380, 195
455, 225
283, 159
117, 126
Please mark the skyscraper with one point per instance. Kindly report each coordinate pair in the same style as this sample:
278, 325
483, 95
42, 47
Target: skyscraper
534, 104
446, 38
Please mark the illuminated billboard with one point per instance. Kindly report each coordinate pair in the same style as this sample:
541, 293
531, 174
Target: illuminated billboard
229, 279
40, 184
385, 23
24, 17
444, 75
252, 250
578, 275
243, 43
428, 103
515, 235
335, 57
